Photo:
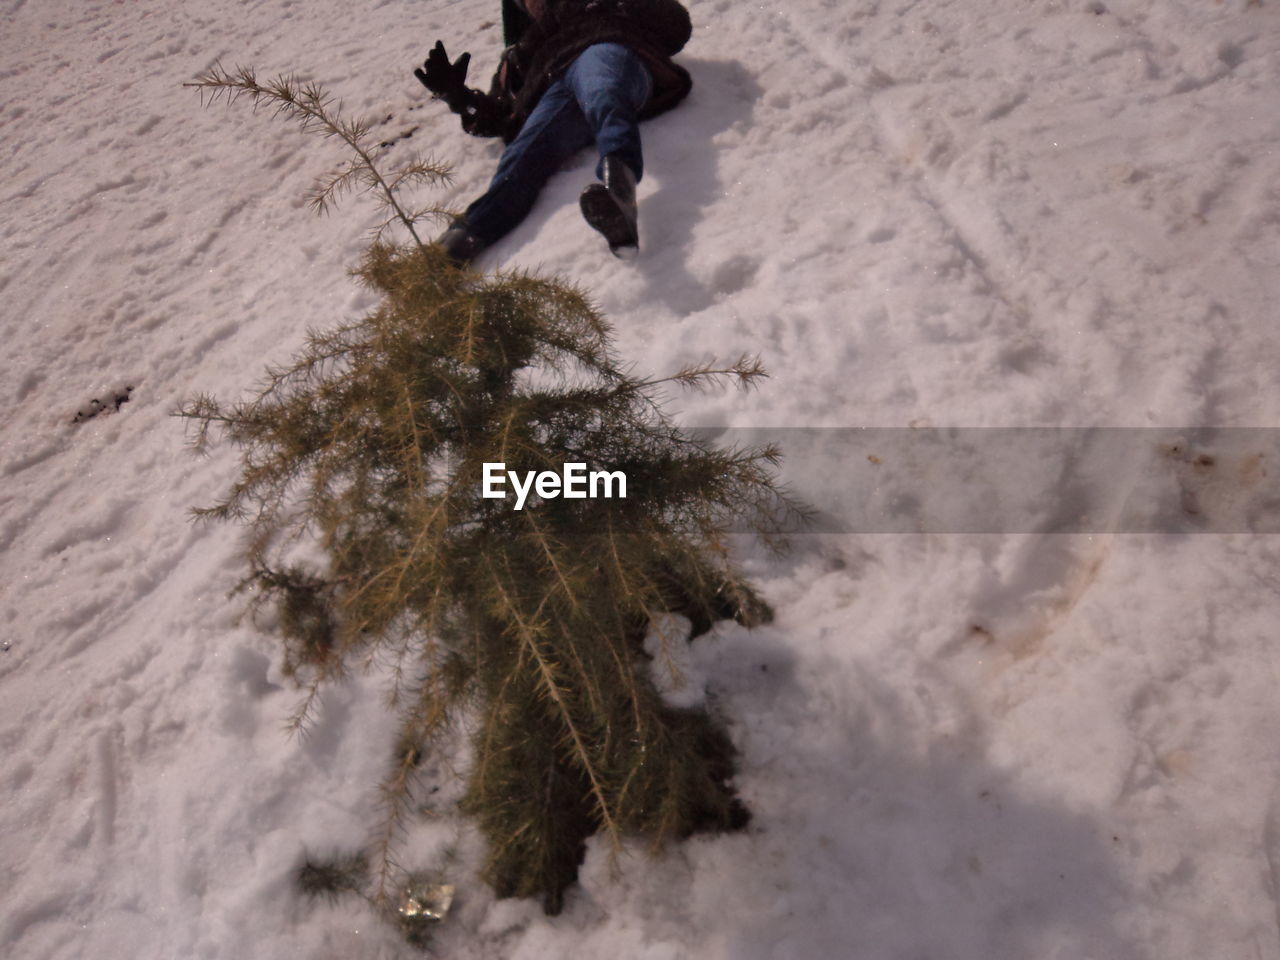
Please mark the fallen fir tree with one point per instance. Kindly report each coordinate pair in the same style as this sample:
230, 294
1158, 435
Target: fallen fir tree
523, 628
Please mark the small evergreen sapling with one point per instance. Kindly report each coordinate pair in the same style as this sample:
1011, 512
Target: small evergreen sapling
522, 629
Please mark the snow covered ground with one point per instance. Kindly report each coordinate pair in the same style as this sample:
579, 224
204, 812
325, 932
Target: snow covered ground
922, 214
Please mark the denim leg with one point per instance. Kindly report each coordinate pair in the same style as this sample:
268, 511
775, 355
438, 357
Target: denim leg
598, 98
611, 84
554, 132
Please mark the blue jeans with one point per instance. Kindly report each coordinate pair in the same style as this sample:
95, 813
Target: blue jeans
597, 99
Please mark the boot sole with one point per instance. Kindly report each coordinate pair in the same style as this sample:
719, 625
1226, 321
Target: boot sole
602, 212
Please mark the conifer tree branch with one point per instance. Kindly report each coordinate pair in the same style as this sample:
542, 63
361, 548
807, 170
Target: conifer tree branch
396, 799
296, 724
529, 642
570, 595
428, 716
747, 370
313, 109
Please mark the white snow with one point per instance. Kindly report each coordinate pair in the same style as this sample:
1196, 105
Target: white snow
921, 213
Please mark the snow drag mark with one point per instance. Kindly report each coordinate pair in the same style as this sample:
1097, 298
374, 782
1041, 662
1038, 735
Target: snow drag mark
107, 786
1271, 844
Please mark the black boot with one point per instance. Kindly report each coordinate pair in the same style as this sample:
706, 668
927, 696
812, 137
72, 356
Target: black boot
460, 244
610, 207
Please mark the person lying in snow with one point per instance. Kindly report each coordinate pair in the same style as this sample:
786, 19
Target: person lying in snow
573, 72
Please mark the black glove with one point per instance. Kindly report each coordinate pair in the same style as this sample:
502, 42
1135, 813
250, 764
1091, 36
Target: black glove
446, 80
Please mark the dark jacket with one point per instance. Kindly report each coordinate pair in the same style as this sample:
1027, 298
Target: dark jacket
540, 50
